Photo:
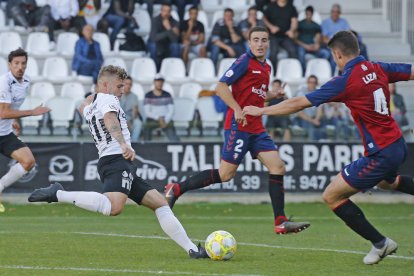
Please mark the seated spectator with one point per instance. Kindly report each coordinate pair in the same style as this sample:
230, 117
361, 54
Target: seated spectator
281, 18
310, 118
159, 109
278, 125
247, 24
164, 36
226, 37
27, 14
397, 107
65, 14
91, 11
88, 59
118, 16
193, 36
309, 38
129, 104
180, 4
338, 116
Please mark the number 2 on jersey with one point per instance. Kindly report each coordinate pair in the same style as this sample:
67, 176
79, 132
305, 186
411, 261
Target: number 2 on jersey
239, 145
380, 102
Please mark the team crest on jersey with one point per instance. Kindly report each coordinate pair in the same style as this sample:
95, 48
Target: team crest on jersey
229, 73
111, 106
364, 67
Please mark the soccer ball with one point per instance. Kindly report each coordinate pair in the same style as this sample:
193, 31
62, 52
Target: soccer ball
220, 245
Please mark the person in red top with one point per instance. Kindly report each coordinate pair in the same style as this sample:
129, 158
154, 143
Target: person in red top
249, 77
363, 87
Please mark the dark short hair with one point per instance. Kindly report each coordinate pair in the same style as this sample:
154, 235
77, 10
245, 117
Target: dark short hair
309, 9
252, 8
346, 42
229, 10
278, 81
313, 77
17, 53
193, 8
258, 29
128, 78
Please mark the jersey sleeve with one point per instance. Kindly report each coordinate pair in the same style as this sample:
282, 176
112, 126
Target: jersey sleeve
236, 70
5, 95
332, 91
109, 104
396, 71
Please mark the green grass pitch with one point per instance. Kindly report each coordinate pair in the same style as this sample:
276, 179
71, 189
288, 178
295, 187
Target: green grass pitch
60, 239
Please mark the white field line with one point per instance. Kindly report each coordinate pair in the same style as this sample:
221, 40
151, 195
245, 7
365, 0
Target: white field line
157, 272
247, 244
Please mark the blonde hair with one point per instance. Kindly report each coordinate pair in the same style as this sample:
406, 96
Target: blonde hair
113, 71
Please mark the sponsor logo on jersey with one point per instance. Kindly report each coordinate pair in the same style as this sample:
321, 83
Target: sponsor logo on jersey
61, 167
346, 172
260, 91
229, 73
256, 71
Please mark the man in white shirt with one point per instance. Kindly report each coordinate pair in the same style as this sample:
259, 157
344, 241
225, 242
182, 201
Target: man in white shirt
108, 126
14, 86
65, 14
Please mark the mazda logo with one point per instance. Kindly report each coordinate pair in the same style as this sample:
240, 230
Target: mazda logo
61, 165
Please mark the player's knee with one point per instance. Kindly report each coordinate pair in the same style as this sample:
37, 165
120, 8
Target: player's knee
116, 209
28, 163
327, 198
226, 176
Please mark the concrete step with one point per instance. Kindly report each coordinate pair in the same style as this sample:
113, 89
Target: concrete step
346, 6
390, 49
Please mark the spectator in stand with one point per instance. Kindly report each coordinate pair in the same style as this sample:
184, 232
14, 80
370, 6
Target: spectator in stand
226, 37
397, 107
281, 18
91, 11
276, 123
193, 36
27, 14
337, 115
311, 118
118, 16
159, 110
88, 58
180, 4
309, 39
65, 14
164, 37
250, 22
129, 104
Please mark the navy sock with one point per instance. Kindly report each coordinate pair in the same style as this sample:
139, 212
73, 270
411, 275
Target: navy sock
406, 184
277, 196
200, 180
355, 219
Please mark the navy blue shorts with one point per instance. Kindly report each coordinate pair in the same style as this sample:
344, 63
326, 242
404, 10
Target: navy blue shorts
237, 143
366, 172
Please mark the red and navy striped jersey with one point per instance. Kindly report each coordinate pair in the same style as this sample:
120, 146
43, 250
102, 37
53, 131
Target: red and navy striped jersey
249, 80
363, 87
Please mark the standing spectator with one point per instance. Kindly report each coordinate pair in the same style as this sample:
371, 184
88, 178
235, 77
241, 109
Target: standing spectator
281, 18
309, 39
310, 119
193, 36
88, 58
159, 110
91, 11
65, 14
226, 37
164, 37
397, 106
278, 122
27, 14
129, 104
249, 23
119, 15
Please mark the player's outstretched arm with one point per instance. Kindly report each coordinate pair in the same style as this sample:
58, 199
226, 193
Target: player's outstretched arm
223, 91
6, 112
286, 107
112, 125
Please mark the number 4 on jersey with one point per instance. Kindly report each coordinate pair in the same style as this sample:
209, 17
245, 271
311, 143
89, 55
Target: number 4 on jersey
380, 102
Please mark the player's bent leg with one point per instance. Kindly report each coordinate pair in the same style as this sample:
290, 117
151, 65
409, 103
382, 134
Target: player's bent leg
337, 192
170, 224
402, 183
276, 168
25, 157
117, 200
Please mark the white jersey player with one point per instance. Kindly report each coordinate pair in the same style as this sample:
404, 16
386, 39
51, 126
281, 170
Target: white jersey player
14, 86
107, 124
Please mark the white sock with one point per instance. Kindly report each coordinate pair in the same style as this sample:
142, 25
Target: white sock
173, 228
91, 201
14, 174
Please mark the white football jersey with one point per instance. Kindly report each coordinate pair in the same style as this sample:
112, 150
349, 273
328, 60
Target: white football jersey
94, 115
13, 93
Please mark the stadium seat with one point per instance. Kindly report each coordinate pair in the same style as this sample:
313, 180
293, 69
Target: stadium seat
236, 5
32, 70
4, 66
73, 90
9, 41
3, 26
211, 5
272, 70
210, 118
43, 90
38, 45
143, 70
55, 70
225, 64
184, 110
190, 90
246, 12
31, 102
202, 71
217, 15
144, 22
62, 112
105, 44
116, 61
289, 70
138, 90
173, 69
66, 42
319, 67
166, 87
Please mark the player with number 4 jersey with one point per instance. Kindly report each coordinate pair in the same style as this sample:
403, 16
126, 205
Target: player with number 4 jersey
363, 87
249, 77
